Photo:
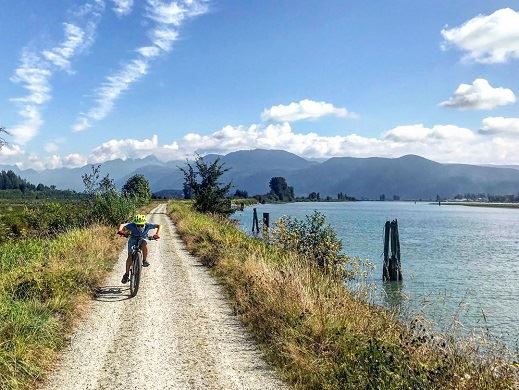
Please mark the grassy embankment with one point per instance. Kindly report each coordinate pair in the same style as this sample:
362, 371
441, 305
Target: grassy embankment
43, 285
46, 282
316, 333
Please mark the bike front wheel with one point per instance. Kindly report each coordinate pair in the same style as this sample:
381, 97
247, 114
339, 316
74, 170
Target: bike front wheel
135, 276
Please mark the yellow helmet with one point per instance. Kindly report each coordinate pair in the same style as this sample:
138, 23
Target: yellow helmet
140, 219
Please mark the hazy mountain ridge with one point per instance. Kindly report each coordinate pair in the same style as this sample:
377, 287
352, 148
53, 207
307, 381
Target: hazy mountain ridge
410, 177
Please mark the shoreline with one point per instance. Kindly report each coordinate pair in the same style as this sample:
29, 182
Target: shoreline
483, 204
313, 341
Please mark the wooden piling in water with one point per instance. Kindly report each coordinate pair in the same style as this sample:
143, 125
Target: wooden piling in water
266, 220
266, 226
255, 222
392, 269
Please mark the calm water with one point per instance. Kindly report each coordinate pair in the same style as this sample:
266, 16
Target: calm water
457, 262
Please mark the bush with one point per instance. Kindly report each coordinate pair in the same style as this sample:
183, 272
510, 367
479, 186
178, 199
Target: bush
42, 219
313, 240
113, 208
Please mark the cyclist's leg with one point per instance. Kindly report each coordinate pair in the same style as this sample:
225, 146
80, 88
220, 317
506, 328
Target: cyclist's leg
128, 261
131, 243
144, 248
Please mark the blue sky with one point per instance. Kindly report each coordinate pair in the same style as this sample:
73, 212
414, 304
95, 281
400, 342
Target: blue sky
91, 80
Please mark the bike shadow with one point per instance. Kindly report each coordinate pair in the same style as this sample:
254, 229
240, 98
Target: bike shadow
111, 293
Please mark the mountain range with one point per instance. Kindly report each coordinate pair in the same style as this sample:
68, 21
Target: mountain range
410, 177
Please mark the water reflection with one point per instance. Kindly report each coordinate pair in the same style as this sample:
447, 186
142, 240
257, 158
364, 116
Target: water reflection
393, 295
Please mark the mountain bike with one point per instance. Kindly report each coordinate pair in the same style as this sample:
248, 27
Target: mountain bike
136, 268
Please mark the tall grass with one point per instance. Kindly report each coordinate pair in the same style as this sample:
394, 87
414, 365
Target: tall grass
319, 335
42, 285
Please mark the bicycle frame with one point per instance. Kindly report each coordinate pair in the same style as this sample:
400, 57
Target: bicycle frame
135, 270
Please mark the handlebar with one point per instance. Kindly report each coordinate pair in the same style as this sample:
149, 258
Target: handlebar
149, 238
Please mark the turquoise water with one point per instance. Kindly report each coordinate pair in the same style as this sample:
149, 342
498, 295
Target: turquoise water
458, 262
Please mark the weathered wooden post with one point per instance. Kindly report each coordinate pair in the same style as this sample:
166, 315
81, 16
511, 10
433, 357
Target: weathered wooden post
387, 231
255, 222
392, 265
266, 220
266, 225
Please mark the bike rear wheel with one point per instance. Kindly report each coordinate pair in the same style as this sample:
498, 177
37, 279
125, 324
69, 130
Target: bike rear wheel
135, 273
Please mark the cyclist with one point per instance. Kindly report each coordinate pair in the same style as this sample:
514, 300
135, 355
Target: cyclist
135, 230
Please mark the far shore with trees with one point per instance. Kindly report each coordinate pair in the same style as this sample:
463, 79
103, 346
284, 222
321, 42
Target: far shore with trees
281, 192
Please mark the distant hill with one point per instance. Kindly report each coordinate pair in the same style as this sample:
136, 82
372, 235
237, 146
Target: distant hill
70, 178
410, 177
502, 166
251, 169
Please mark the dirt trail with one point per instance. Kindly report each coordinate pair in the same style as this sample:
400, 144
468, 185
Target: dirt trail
177, 333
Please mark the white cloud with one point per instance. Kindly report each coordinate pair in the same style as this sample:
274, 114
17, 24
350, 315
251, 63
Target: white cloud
168, 17
500, 126
420, 134
53, 161
441, 141
304, 109
51, 147
9, 151
60, 56
36, 70
479, 96
110, 91
123, 149
444, 143
74, 160
487, 38
122, 7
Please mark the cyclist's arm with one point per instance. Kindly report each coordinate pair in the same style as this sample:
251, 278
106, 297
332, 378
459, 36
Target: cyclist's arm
121, 227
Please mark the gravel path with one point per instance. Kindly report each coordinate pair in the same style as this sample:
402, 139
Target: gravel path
177, 333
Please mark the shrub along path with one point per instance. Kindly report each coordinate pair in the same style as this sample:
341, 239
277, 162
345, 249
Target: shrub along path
178, 333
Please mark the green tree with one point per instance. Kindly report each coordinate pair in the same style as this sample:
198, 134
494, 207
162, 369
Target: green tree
137, 188
313, 196
241, 194
279, 187
186, 187
203, 180
95, 184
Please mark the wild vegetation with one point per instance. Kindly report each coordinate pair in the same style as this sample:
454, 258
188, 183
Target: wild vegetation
43, 283
317, 333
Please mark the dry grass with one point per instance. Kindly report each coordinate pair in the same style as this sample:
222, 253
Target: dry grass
43, 284
321, 336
